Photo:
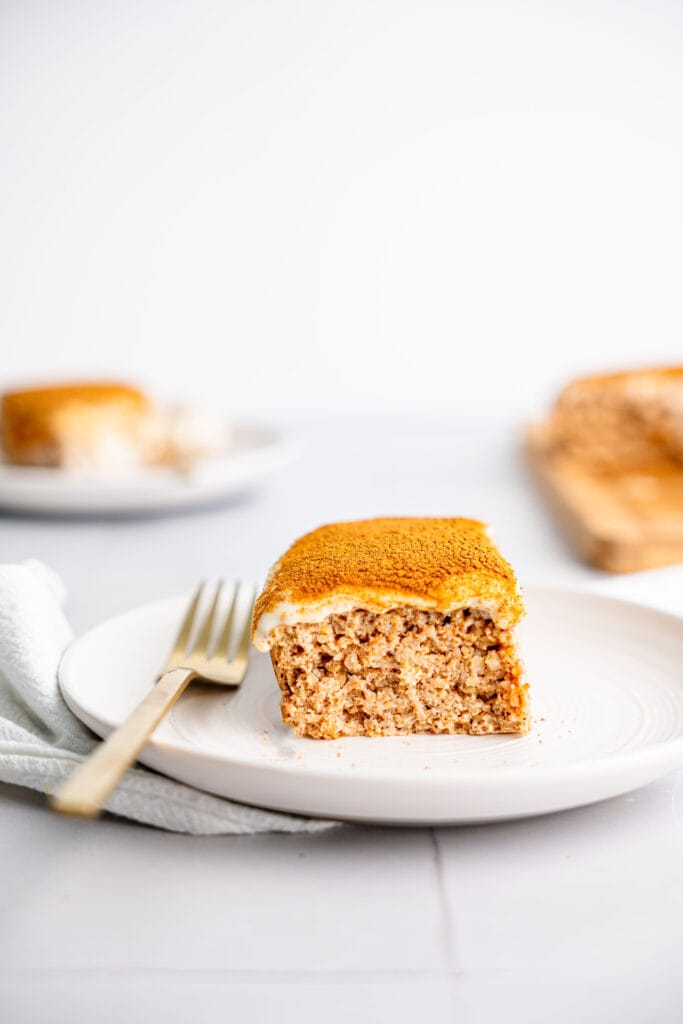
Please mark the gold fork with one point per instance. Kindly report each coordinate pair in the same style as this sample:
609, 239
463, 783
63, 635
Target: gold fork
86, 790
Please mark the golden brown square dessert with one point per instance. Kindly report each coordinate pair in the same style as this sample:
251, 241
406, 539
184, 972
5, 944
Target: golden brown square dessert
620, 422
609, 457
81, 426
395, 626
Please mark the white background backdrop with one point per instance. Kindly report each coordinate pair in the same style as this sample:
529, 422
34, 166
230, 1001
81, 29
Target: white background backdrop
324, 206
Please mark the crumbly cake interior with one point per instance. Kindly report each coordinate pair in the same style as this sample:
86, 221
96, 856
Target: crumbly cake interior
621, 423
398, 672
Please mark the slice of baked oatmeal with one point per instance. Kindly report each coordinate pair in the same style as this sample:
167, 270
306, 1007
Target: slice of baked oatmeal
85, 426
395, 626
619, 422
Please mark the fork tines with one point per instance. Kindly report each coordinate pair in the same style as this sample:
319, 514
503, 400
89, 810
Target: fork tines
207, 640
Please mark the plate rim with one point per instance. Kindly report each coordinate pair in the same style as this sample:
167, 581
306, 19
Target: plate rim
54, 491
655, 756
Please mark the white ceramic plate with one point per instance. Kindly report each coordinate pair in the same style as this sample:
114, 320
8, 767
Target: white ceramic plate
607, 684
254, 453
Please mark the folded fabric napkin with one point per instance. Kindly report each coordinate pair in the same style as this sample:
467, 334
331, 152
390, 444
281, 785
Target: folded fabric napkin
41, 742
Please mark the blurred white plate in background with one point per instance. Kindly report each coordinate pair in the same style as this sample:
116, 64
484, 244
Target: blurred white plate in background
607, 691
254, 453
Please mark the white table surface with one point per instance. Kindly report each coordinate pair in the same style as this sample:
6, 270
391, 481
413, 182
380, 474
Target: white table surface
569, 918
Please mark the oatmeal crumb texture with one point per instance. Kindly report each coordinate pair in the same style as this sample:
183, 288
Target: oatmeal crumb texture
395, 626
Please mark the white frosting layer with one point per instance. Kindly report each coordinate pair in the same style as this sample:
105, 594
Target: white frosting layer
287, 614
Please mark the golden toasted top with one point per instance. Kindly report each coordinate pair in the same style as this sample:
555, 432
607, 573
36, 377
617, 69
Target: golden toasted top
377, 564
45, 400
665, 374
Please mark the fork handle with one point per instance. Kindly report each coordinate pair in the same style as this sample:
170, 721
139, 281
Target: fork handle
86, 790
